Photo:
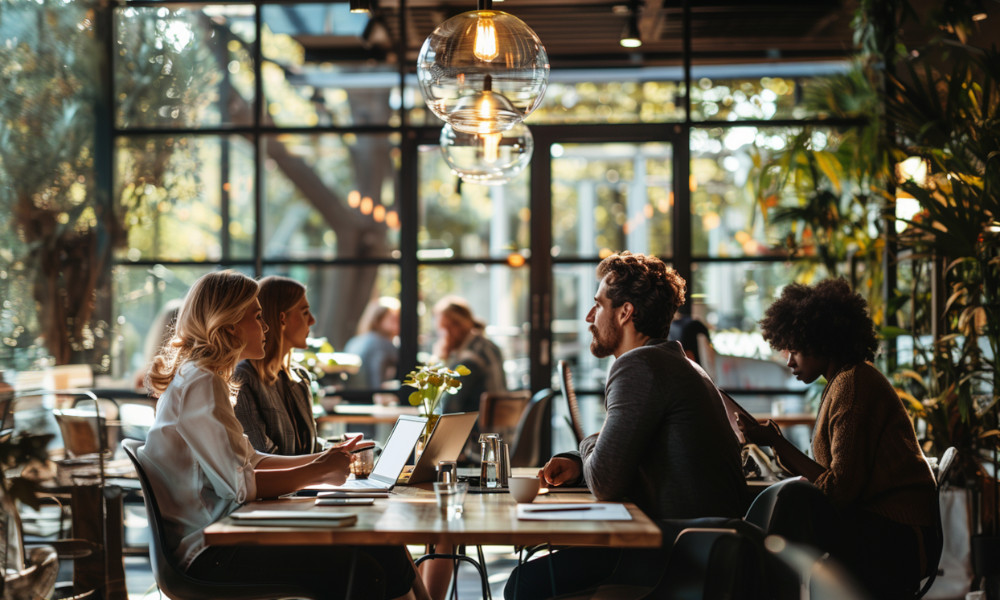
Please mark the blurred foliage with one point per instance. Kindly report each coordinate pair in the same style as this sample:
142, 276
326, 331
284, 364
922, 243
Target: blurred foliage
942, 94
57, 229
822, 187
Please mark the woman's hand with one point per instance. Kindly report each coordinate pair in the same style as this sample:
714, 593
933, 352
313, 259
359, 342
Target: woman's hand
334, 464
762, 434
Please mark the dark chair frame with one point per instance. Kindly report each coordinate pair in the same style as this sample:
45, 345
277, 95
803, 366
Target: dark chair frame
569, 393
533, 438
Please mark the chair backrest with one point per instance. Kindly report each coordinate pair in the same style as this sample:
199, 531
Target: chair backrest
81, 431
798, 511
935, 546
532, 441
501, 412
710, 564
173, 581
569, 393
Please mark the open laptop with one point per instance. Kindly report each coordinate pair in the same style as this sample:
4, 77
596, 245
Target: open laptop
398, 448
447, 440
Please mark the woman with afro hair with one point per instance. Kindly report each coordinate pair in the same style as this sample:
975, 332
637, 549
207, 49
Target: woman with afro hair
866, 458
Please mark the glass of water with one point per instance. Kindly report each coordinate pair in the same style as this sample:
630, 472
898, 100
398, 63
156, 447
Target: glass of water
450, 498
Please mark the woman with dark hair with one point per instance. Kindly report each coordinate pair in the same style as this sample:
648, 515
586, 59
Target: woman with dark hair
274, 404
375, 343
866, 458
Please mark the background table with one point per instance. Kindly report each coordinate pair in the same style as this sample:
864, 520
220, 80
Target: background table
366, 414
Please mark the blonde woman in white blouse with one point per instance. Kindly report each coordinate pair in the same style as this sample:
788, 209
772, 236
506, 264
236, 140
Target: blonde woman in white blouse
202, 467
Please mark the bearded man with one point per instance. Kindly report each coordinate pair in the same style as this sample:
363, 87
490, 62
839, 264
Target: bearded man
665, 445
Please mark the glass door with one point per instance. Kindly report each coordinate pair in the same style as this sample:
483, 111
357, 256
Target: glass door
604, 197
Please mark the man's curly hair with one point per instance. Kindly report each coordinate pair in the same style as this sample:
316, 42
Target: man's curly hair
827, 320
654, 289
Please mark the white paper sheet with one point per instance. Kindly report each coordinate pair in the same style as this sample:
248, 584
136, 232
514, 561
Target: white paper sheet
604, 511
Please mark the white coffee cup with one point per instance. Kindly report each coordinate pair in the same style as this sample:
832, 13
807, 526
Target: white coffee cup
524, 489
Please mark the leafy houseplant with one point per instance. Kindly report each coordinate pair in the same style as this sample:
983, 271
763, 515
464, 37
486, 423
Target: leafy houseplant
432, 383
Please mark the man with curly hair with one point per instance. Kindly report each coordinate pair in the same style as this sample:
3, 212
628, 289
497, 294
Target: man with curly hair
866, 458
665, 444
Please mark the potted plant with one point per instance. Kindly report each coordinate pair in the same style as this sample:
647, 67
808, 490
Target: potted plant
432, 382
940, 91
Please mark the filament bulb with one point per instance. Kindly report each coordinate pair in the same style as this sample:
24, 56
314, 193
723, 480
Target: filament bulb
491, 146
486, 39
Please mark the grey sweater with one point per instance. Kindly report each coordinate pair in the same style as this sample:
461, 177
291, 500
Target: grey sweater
666, 443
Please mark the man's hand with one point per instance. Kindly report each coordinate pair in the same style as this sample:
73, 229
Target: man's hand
558, 471
762, 434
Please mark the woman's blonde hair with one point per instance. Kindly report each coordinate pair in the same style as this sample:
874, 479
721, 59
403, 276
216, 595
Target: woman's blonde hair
375, 312
277, 295
205, 330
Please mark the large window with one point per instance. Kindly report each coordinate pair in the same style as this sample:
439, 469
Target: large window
236, 139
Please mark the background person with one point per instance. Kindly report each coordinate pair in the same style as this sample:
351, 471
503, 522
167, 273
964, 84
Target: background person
376, 344
866, 458
202, 467
666, 443
462, 341
274, 404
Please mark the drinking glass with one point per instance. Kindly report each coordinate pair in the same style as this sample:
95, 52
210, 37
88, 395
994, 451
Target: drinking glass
450, 498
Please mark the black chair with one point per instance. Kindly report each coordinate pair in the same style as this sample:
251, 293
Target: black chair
171, 578
712, 564
569, 393
798, 511
532, 440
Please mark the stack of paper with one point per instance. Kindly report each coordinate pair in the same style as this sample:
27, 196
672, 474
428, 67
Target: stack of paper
577, 511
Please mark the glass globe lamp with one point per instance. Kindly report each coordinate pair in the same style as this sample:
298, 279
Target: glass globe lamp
488, 159
482, 51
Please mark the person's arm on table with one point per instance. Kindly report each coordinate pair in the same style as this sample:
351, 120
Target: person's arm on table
790, 457
634, 411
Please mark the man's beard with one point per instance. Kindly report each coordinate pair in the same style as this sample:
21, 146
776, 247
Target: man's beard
604, 341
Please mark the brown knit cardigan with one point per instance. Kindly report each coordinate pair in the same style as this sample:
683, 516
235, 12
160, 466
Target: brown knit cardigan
865, 441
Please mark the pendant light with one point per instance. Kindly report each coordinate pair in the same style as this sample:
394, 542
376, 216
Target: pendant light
487, 158
475, 56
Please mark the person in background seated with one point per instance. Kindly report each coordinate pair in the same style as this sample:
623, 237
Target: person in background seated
866, 458
694, 336
462, 342
202, 467
160, 332
375, 343
274, 404
666, 443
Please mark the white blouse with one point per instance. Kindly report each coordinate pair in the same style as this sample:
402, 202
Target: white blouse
199, 462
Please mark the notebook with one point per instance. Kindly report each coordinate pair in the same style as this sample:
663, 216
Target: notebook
398, 448
447, 440
732, 409
294, 518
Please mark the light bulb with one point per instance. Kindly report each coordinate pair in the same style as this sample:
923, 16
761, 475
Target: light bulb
485, 48
491, 147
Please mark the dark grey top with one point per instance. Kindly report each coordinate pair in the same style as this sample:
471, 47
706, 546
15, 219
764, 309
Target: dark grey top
379, 357
666, 443
277, 418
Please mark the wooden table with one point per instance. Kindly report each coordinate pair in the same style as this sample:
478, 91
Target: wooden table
410, 516
366, 414
789, 419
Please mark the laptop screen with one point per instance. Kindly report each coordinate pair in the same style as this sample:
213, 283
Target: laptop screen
398, 447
